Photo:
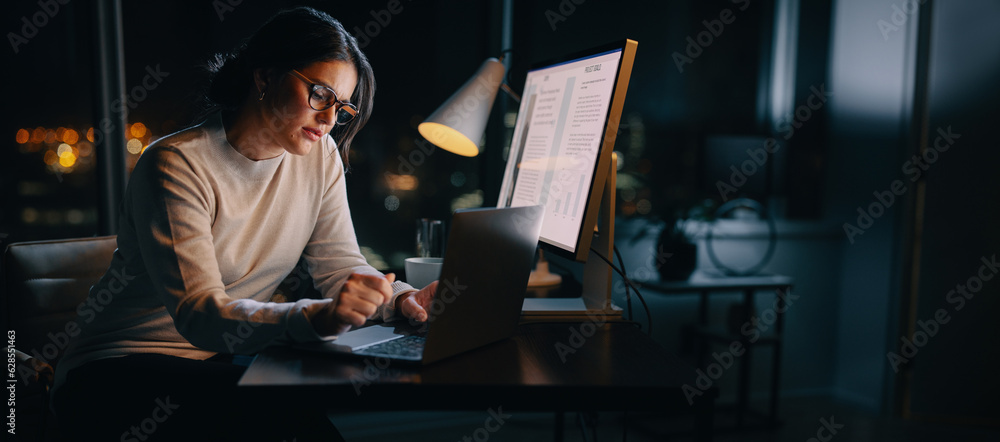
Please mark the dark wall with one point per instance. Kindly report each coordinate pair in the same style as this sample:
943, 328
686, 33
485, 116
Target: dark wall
900, 80
953, 374
871, 78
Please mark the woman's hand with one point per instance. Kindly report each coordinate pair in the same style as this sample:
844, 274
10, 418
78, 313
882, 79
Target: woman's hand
415, 305
359, 300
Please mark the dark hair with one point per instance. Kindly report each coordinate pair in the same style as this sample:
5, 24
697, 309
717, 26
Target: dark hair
293, 39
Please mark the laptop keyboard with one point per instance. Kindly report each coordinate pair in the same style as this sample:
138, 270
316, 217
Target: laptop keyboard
408, 347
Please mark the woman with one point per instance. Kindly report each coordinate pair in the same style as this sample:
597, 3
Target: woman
213, 220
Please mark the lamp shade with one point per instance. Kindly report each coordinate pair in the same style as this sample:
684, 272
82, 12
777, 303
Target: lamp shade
457, 126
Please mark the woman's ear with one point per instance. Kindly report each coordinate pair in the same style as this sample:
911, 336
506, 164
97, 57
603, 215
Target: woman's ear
263, 79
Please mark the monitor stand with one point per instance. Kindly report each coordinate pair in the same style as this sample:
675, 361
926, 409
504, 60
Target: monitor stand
595, 302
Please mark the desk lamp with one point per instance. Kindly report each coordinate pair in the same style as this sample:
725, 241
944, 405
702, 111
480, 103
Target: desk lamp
459, 123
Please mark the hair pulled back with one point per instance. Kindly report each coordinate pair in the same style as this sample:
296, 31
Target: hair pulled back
293, 39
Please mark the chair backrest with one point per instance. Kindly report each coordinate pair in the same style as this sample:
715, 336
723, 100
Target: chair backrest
45, 282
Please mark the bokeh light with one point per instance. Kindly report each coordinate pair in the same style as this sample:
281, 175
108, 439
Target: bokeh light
50, 157
472, 199
29, 215
90, 135
401, 182
134, 146
75, 216
391, 203
627, 194
23, 136
138, 130
67, 159
71, 136
628, 208
643, 207
38, 135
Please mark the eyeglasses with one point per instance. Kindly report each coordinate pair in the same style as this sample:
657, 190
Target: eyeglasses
322, 98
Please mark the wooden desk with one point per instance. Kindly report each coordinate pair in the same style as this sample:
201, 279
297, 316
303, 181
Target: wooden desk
704, 283
616, 368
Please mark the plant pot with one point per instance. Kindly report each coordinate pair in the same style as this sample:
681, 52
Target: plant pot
677, 258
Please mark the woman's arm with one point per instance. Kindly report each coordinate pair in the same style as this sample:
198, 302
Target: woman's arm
332, 254
172, 211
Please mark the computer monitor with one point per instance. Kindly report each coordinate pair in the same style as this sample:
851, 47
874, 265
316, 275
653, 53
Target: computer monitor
561, 150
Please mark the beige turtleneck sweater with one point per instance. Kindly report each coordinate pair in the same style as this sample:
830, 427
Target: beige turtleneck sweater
206, 235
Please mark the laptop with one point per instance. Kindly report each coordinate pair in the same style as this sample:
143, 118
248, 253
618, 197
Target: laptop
479, 295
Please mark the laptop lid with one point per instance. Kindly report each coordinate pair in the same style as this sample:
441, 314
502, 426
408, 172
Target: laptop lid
483, 281
480, 291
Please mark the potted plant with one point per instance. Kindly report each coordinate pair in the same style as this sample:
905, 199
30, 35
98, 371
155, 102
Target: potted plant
677, 254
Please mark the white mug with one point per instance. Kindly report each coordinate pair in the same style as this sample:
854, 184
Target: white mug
422, 271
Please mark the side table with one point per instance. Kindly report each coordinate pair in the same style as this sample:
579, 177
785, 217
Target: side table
706, 282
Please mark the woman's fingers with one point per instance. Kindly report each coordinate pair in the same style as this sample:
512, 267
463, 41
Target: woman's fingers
413, 310
426, 295
416, 305
359, 300
377, 285
361, 297
355, 308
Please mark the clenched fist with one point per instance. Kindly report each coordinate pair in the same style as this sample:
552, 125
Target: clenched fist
359, 300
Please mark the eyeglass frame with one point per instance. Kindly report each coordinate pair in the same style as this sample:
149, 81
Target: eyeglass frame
339, 104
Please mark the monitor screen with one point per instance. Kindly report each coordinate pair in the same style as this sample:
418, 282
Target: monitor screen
562, 142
